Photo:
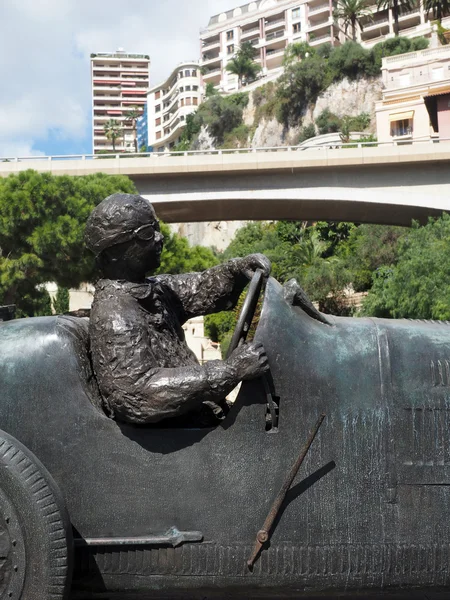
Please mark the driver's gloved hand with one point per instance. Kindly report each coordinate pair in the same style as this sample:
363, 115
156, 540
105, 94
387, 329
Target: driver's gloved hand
249, 361
250, 263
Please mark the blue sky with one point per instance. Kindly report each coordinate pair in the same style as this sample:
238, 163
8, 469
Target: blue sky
45, 99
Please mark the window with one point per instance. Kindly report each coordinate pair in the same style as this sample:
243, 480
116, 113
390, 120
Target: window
187, 73
181, 90
158, 135
157, 95
230, 35
194, 73
167, 131
195, 88
230, 49
296, 13
296, 27
182, 102
158, 122
188, 102
402, 127
158, 108
195, 101
188, 88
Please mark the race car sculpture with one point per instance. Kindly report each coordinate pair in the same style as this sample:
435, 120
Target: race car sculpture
90, 506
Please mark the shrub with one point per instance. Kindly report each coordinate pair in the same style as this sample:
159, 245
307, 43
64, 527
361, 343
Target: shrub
328, 122
306, 133
351, 60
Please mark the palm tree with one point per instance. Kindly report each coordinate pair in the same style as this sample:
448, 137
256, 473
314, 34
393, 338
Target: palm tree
396, 6
296, 52
438, 8
352, 13
113, 131
243, 64
132, 115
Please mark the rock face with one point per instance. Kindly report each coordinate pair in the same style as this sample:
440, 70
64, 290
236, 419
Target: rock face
350, 98
204, 141
343, 98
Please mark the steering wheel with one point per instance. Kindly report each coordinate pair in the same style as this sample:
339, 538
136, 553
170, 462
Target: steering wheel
247, 312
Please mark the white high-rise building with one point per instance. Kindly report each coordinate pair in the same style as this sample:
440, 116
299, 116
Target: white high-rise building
170, 102
120, 82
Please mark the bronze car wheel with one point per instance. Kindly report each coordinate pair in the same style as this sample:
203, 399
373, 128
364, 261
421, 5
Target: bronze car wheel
35, 532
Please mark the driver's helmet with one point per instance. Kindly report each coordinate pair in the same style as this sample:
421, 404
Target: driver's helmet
115, 220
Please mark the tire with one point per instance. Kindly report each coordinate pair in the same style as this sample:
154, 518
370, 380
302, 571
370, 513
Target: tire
36, 548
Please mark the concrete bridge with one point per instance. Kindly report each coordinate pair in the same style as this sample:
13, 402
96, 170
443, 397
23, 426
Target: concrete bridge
388, 183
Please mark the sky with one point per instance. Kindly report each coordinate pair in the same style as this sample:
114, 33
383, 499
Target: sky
45, 47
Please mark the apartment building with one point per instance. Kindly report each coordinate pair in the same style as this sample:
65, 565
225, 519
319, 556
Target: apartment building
270, 25
416, 97
119, 82
170, 102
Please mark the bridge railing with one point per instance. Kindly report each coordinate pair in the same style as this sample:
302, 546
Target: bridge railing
328, 146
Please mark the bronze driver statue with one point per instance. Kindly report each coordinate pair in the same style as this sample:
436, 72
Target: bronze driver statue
144, 368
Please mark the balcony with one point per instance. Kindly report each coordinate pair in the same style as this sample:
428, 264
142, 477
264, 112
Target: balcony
211, 45
213, 75
320, 39
245, 33
370, 25
208, 59
319, 8
275, 35
313, 25
271, 24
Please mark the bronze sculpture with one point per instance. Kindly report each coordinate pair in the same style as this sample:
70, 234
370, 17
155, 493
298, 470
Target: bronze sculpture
144, 368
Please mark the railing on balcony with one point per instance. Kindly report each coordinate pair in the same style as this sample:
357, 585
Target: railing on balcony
269, 24
319, 23
246, 32
275, 35
318, 38
211, 72
318, 8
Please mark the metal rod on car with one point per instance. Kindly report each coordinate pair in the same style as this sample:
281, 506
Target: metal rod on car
263, 534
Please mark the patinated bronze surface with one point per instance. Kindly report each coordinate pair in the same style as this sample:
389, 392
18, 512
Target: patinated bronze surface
144, 368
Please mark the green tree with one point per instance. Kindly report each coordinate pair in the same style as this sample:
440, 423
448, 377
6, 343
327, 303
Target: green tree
418, 285
42, 220
113, 131
297, 52
396, 6
243, 64
301, 84
178, 257
131, 116
352, 13
61, 302
438, 8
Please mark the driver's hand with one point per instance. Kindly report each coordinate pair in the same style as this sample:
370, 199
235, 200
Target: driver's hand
249, 360
250, 263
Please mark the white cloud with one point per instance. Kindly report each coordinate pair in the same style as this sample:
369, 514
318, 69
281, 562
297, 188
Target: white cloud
44, 57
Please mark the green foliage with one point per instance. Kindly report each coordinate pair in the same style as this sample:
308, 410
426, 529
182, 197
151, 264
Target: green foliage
113, 131
296, 52
352, 13
42, 220
243, 64
61, 301
178, 257
210, 90
306, 133
351, 60
328, 122
418, 285
237, 137
397, 7
300, 85
218, 325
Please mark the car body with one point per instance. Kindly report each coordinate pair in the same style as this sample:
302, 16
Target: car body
367, 513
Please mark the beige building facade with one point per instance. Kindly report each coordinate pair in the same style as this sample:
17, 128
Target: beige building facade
169, 103
416, 97
119, 82
271, 25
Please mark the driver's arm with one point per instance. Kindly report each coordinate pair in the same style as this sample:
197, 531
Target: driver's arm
217, 288
137, 391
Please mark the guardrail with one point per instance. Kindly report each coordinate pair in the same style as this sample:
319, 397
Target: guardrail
328, 146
